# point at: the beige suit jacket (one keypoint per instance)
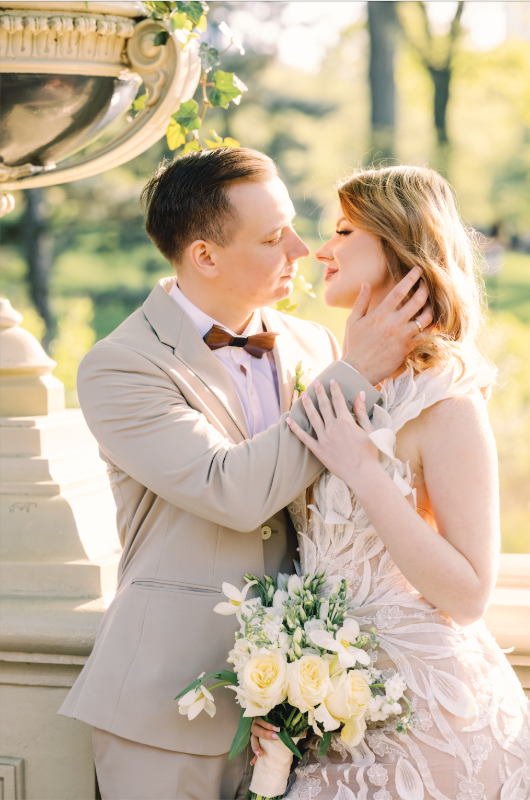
(192, 493)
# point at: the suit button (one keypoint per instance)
(265, 532)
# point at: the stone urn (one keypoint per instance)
(70, 71)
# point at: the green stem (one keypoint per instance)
(331, 666)
(221, 683)
(291, 715)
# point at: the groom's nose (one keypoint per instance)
(297, 249)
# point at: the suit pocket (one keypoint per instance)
(154, 584)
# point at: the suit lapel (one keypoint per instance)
(175, 329)
(286, 357)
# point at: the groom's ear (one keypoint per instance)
(201, 255)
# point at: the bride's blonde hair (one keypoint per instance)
(413, 213)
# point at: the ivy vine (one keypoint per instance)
(186, 19)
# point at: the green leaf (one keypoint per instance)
(209, 56)
(324, 744)
(193, 145)
(189, 688)
(242, 737)
(161, 38)
(304, 286)
(286, 306)
(175, 135)
(225, 88)
(222, 675)
(193, 8)
(139, 103)
(202, 23)
(187, 116)
(178, 21)
(288, 742)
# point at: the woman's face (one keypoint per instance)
(352, 257)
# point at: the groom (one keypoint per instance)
(188, 400)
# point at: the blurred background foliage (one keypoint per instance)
(392, 81)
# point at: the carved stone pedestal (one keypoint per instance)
(59, 554)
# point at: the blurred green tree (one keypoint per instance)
(383, 29)
(436, 53)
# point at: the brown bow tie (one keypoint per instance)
(255, 345)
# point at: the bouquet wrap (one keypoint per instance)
(272, 769)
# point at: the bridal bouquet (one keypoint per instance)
(299, 663)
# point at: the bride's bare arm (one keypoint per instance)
(455, 570)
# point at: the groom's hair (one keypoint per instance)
(186, 199)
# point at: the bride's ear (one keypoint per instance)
(202, 259)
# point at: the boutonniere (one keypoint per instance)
(300, 377)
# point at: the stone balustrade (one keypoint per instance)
(59, 554)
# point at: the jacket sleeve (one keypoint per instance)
(144, 425)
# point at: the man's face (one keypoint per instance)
(258, 266)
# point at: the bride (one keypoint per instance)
(413, 501)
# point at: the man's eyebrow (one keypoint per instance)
(279, 227)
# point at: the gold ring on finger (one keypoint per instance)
(420, 326)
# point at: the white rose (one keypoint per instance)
(309, 682)
(349, 702)
(350, 695)
(395, 686)
(263, 683)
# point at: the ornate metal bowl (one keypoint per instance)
(70, 70)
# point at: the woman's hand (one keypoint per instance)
(260, 730)
(342, 445)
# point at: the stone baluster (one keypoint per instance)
(59, 554)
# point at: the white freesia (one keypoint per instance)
(313, 625)
(197, 700)
(262, 683)
(340, 643)
(375, 708)
(280, 596)
(294, 585)
(236, 600)
(395, 686)
(240, 654)
(282, 580)
(225, 30)
(324, 610)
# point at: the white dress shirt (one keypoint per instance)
(257, 383)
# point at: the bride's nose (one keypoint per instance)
(324, 253)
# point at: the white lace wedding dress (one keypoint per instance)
(470, 735)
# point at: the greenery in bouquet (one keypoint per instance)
(300, 663)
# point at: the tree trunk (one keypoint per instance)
(441, 79)
(39, 257)
(383, 26)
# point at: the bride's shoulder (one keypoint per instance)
(457, 426)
